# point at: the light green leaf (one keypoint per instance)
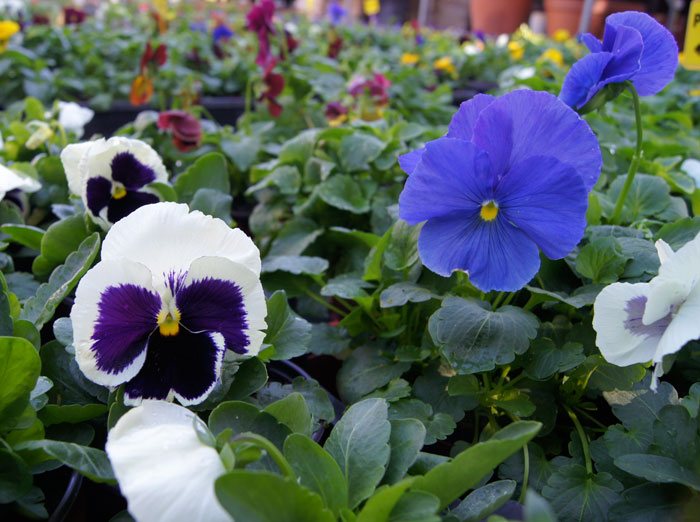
(343, 192)
(19, 370)
(293, 412)
(209, 171)
(286, 331)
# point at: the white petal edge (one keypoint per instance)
(684, 327)
(664, 251)
(617, 344)
(251, 289)
(71, 157)
(84, 315)
(163, 469)
(167, 237)
(11, 180)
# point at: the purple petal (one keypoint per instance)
(130, 172)
(408, 161)
(126, 317)
(452, 175)
(462, 124)
(547, 200)
(98, 193)
(540, 125)
(187, 363)
(627, 52)
(594, 45)
(497, 255)
(659, 58)
(120, 208)
(215, 305)
(583, 80)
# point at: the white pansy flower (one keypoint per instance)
(74, 117)
(691, 167)
(11, 180)
(163, 469)
(642, 322)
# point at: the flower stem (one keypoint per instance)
(634, 165)
(584, 439)
(526, 473)
(325, 303)
(269, 448)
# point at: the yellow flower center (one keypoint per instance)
(118, 191)
(169, 321)
(489, 210)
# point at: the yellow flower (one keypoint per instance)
(552, 55)
(7, 29)
(409, 58)
(694, 92)
(516, 50)
(445, 65)
(338, 120)
(561, 35)
(371, 7)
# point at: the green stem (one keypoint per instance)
(526, 473)
(497, 301)
(269, 448)
(510, 297)
(634, 165)
(325, 303)
(584, 439)
(248, 102)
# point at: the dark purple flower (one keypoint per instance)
(259, 20)
(185, 128)
(635, 48)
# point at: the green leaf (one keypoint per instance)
(537, 509)
(213, 203)
(15, 476)
(24, 235)
(365, 371)
(648, 502)
(343, 192)
(40, 308)
(70, 413)
(480, 503)
(293, 412)
(680, 232)
(242, 417)
(577, 495)
(299, 148)
(450, 480)
(399, 294)
(209, 171)
(260, 496)
(602, 260)
(346, 286)
(328, 340)
(295, 237)
(295, 265)
(402, 250)
(380, 505)
(6, 322)
(544, 358)
(69, 382)
(243, 152)
(19, 370)
(656, 468)
(59, 240)
(358, 150)
(406, 440)
(416, 506)
(286, 331)
(648, 196)
(250, 377)
(285, 177)
(474, 339)
(359, 443)
(317, 471)
(90, 462)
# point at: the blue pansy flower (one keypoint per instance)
(336, 12)
(222, 32)
(510, 178)
(174, 293)
(635, 47)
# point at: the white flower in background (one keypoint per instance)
(173, 292)
(74, 117)
(502, 40)
(112, 176)
(642, 322)
(145, 119)
(163, 469)
(691, 167)
(11, 180)
(41, 133)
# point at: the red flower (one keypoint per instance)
(185, 128)
(335, 45)
(335, 110)
(155, 57)
(377, 87)
(259, 20)
(73, 16)
(275, 84)
(292, 43)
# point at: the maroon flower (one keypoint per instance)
(259, 20)
(185, 128)
(336, 113)
(153, 57)
(73, 16)
(292, 43)
(335, 45)
(275, 84)
(377, 87)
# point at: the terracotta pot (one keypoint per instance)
(566, 14)
(498, 16)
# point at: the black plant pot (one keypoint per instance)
(471, 89)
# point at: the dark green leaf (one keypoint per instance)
(406, 440)
(286, 331)
(365, 371)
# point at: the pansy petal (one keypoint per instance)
(627, 52)
(11, 180)
(583, 80)
(187, 365)
(594, 45)
(118, 209)
(130, 172)
(222, 296)
(682, 266)
(452, 175)
(409, 161)
(462, 124)
(684, 326)
(497, 255)
(665, 295)
(659, 58)
(98, 159)
(71, 157)
(541, 126)
(115, 311)
(664, 251)
(547, 200)
(98, 194)
(163, 469)
(166, 237)
(618, 343)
